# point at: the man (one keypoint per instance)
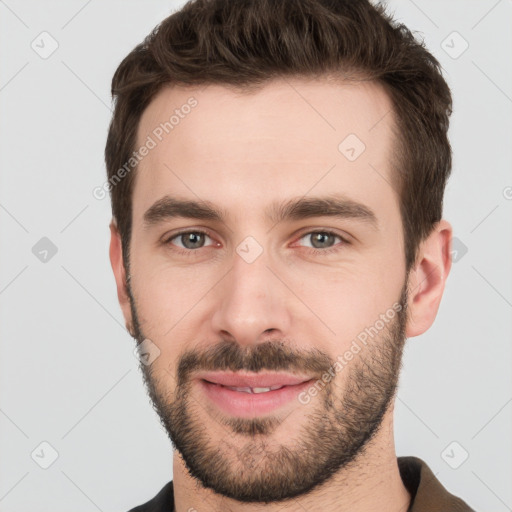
(277, 172)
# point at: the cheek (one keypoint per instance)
(343, 300)
(168, 296)
(350, 298)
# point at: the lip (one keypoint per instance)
(248, 405)
(258, 380)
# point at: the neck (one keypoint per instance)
(371, 482)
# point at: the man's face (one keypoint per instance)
(253, 293)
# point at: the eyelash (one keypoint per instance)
(310, 250)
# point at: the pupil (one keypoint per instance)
(192, 240)
(318, 238)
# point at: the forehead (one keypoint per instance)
(285, 139)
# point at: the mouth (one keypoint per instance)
(255, 390)
(248, 396)
(253, 380)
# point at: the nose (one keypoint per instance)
(251, 302)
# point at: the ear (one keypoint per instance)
(116, 260)
(427, 279)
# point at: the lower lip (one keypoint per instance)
(247, 405)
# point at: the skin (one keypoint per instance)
(242, 152)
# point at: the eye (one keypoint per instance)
(188, 240)
(322, 241)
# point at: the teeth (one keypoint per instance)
(245, 390)
(254, 390)
(260, 390)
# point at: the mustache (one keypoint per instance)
(271, 355)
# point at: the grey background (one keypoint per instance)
(68, 375)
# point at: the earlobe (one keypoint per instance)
(116, 260)
(427, 279)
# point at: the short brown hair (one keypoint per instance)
(246, 43)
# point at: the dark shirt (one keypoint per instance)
(427, 493)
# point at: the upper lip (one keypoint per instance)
(258, 380)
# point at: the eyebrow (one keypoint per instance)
(169, 207)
